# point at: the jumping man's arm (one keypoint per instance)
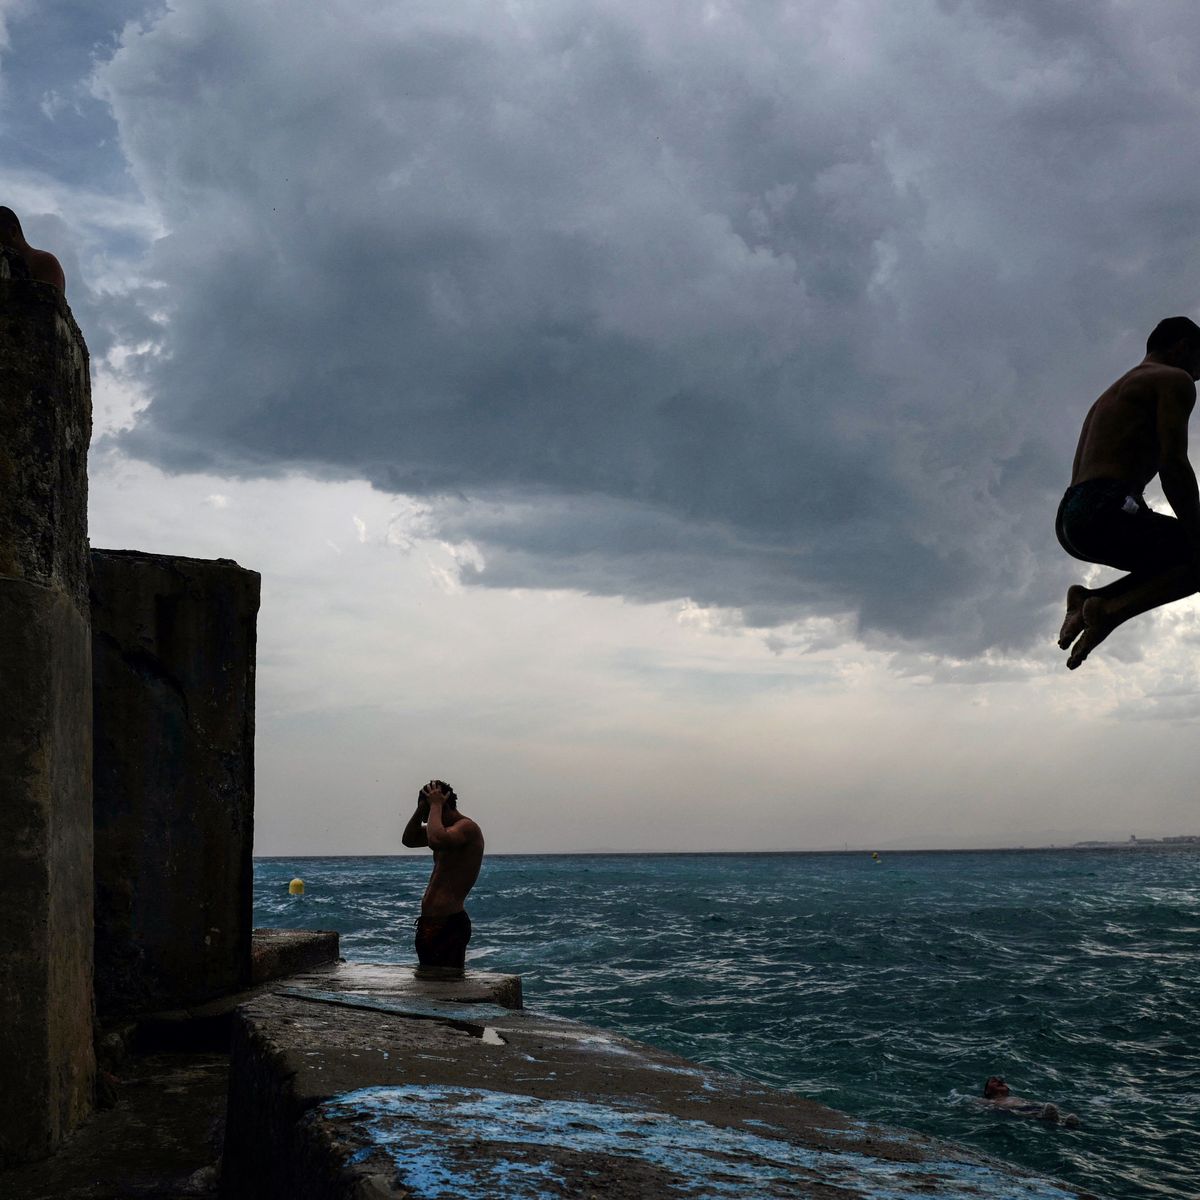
(1175, 404)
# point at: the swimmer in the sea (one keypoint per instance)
(996, 1095)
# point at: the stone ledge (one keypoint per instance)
(275, 953)
(389, 981)
(206, 1027)
(342, 1096)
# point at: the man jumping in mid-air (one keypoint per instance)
(1136, 430)
(443, 928)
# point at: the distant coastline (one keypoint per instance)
(1179, 842)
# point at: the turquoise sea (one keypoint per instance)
(887, 989)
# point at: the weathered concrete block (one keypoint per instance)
(173, 668)
(280, 952)
(46, 1065)
(46, 1059)
(45, 429)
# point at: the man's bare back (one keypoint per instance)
(1120, 439)
(444, 928)
(1135, 430)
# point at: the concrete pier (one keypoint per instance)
(352, 1092)
(173, 671)
(46, 1059)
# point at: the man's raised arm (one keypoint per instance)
(440, 837)
(414, 832)
(1176, 400)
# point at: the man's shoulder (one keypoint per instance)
(469, 827)
(1150, 383)
(1170, 381)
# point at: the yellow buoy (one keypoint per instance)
(296, 887)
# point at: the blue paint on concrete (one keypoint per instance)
(475, 1144)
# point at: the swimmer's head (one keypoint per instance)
(995, 1088)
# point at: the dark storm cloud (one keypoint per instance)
(791, 308)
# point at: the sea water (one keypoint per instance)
(888, 989)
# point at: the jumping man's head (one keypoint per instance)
(1175, 341)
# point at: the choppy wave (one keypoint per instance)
(889, 990)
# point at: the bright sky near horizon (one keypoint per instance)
(648, 417)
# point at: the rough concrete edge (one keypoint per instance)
(271, 1149)
(277, 953)
(267, 1152)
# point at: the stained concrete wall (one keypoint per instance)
(46, 1060)
(173, 666)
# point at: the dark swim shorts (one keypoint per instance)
(1106, 521)
(443, 943)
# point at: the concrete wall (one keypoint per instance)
(46, 1060)
(173, 665)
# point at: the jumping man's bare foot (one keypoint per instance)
(1072, 625)
(1097, 625)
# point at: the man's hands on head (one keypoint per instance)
(436, 791)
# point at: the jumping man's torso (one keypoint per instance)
(1120, 435)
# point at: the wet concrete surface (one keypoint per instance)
(391, 981)
(403, 1095)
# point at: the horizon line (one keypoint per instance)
(1180, 842)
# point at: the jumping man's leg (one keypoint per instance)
(1078, 595)
(1101, 613)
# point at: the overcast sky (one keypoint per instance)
(648, 417)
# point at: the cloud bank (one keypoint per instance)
(790, 308)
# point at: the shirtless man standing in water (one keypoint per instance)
(443, 928)
(1136, 430)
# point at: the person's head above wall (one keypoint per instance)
(10, 228)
